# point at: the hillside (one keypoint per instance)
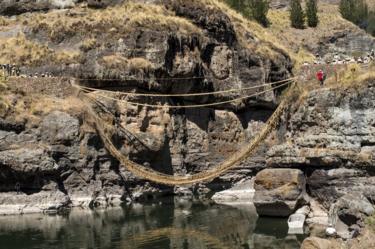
(333, 35)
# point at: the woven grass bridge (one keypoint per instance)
(104, 130)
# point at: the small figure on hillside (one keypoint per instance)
(321, 76)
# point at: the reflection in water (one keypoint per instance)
(166, 225)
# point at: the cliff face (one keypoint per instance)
(331, 137)
(50, 151)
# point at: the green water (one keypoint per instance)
(165, 225)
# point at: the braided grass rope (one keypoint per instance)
(176, 180)
(182, 106)
(189, 94)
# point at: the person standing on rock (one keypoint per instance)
(320, 75)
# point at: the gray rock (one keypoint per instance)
(59, 128)
(240, 192)
(16, 203)
(352, 208)
(279, 192)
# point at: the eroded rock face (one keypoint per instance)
(41, 202)
(331, 136)
(352, 208)
(279, 192)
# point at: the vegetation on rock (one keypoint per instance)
(254, 9)
(312, 13)
(359, 13)
(297, 16)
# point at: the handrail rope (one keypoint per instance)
(189, 94)
(186, 106)
(152, 175)
(171, 78)
(139, 79)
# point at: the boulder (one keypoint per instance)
(59, 128)
(241, 192)
(279, 192)
(352, 208)
(44, 201)
(317, 243)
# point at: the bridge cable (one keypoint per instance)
(189, 94)
(161, 178)
(183, 106)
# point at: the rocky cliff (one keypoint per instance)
(50, 151)
(331, 137)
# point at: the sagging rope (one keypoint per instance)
(173, 180)
(190, 94)
(182, 106)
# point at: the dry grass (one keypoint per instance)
(4, 103)
(34, 107)
(91, 26)
(21, 51)
(352, 76)
(88, 44)
(121, 63)
(267, 43)
(298, 40)
(123, 19)
(3, 21)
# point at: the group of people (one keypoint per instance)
(10, 70)
(342, 59)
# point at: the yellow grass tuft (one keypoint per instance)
(4, 104)
(21, 51)
(88, 44)
(121, 19)
(121, 63)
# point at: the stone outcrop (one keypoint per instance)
(45, 201)
(352, 209)
(331, 137)
(240, 192)
(279, 192)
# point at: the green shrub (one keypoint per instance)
(312, 13)
(297, 16)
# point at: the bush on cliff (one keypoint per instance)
(253, 9)
(312, 13)
(297, 16)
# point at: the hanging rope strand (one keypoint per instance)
(150, 174)
(190, 94)
(184, 106)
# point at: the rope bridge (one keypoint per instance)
(149, 174)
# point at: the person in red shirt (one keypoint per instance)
(320, 76)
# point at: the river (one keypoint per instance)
(170, 223)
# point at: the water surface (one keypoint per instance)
(163, 225)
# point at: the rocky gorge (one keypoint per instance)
(51, 156)
(56, 150)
